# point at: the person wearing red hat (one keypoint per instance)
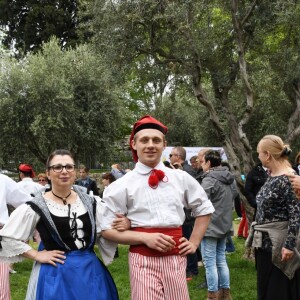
(10, 194)
(152, 197)
(26, 174)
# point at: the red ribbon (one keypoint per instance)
(155, 177)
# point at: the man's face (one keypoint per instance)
(200, 159)
(205, 165)
(149, 144)
(174, 156)
(83, 174)
(194, 163)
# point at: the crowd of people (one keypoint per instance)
(171, 214)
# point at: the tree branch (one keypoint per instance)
(249, 13)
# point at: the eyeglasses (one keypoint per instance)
(42, 180)
(59, 168)
(172, 155)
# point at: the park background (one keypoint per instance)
(77, 74)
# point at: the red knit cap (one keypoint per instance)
(146, 122)
(26, 169)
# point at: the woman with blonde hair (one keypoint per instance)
(277, 226)
(42, 179)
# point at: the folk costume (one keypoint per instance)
(27, 183)
(71, 228)
(153, 199)
(27, 169)
(11, 194)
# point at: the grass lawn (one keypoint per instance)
(242, 272)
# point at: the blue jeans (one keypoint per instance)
(216, 268)
(229, 245)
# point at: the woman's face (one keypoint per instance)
(263, 156)
(42, 180)
(67, 175)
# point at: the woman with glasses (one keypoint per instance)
(67, 219)
(42, 179)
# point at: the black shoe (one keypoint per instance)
(202, 285)
(190, 275)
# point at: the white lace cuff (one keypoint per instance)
(12, 250)
(107, 249)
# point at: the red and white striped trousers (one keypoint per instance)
(158, 278)
(4, 282)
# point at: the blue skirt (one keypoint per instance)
(82, 277)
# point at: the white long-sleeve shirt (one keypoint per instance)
(31, 187)
(10, 193)
(132, 196)
(24, 220)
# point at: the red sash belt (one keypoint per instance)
(142, 249)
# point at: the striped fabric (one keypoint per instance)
(159, 278)
(4, 282)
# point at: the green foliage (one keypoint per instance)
(166, 48)
(59, 99)
(30, 23)
(188, 122)
(148, 57)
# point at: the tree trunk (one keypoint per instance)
(293, 130)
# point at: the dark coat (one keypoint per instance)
(255, 179)
(188, 168)
(90, 184)
(221, 189)
(296, 167)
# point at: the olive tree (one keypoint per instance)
(59, 99)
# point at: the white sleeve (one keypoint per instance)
(17, 196)
(99, 213)
(115, 199)
(18, 229)
(107, 248)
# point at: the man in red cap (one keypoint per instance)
(10, 193)
(26, 174)
(32, 188)
(152, 197)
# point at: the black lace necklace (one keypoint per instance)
(64, 199)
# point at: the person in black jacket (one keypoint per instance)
(86, 181)
(255, 179)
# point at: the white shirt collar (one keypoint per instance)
(27, 179)
(143, 169)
